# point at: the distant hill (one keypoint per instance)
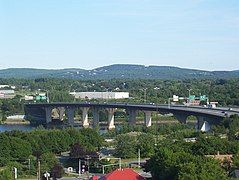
(118, 71)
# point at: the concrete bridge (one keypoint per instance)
(42, 113)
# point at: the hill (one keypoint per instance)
(118, 71)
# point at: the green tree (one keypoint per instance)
(77, 150)
(126, 146)
(6, 173)
(57, 171)
(5, 149)
(19, 148)
(48, 160)
(166, 164)
(146, 144)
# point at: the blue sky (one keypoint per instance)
(201, 34)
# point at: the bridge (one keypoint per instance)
(42, 113)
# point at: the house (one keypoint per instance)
(120, 174)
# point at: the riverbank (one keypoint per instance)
(15, 122)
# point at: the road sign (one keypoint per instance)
(192, 97)
(41, 98)
(175, 98)
(15, 172)
(70, 169)
(203, 98)
(47, 175)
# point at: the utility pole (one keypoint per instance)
(47, 94)
(15, 173)
(139, 158)
(145, 95)
(169, 102)
(157, 116)
(29, 164)
(120, 163)
(39, 170)
(79, 167)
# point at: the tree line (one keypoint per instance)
(18, 147)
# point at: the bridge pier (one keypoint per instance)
(132, 116)
(111, 118)
(85, 120)
(96, 116)
(61, 112)
(147, 118)
(48, 117)
(202, 124)
(70, 115)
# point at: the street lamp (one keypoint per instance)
(189, 90)
(47, 96)
(139, 158)
(169, 102)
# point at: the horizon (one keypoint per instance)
(114, 65)
(193, 34)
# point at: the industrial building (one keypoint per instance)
(100, 95)
(7, 94)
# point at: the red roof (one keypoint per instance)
(121, 174)
(94, 178)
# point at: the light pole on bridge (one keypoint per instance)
(189, 94)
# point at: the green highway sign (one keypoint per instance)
(203, 98)
(41, 98)
(192, 97)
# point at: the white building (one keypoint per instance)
(3, 86)
(6, 94)
(29, 98)
(7, 86)
(100, 95)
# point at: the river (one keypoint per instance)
(11, 127)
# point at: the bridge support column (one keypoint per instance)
(70, 115)
(132, 116)
(85, 120)
(48, 114)
(96, 116)
(111, 118)
(202, 124)
(147, 118)
(61, 112)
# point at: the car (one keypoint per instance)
(225, 113)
